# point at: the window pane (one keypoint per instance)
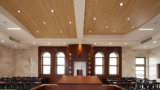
(140, 72)
(46, 61)
(113, 61)
(112, 70)
(113, 55)
(60, 61)
(98, 70)
(61, 54)
(99, 55)
(139, 68)
(60, 69)
(140, 61)
(46, 69)
(98, 61)
(46, 54)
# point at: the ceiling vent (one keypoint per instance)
(13, 39)
(146, 40)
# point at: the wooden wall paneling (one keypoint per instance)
(72, 54)
(53, 77)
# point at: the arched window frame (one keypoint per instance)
(60, 65)
(46, 65)
(114, 65)
(100, 65)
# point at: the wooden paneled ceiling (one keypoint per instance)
(44, 18)
(108, 17)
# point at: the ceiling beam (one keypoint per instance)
(79, 7)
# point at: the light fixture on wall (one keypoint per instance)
(13, 28)
(146, 29)
(2, 41)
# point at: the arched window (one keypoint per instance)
(46, 63)
(113, 63)
(60, 63)
(99, 63)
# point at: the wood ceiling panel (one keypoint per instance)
(34, 12)
(109, 13)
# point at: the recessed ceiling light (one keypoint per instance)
(70, 22)
(154, 42)
(106, 27)
(44, 22)
(15, 45)
(52, 11)
(60, 31)
(33, 43)
(110, 43)
(146, 29)
(19, 11)
(95, 43)
(90, 30)
(125, 43)
(64, 43)
(49, 43)
(37, 31)
(114, 31)
(94, 18)
(132, 27)
(14, 28)
(2, 41)
(121, 4)
(128, 18)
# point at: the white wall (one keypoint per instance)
(128, 61)
(154, 59)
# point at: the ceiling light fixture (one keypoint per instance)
(37, 31)
(52, 11)
(154, 42)
(132, 27)
(114, 31)
(94, 18)
(70, 22)
(13, 28)
(33, 43)
(19, 11)
(15, 45)
(121, 4)
(128, 18)
(90, 31)
(146, 29)
(60, 31)
(2, 41)
(44, 22)
(64, 43)
(106, 27)
(125, 43)
(49, 43)
(110, 43)
(95, 43)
